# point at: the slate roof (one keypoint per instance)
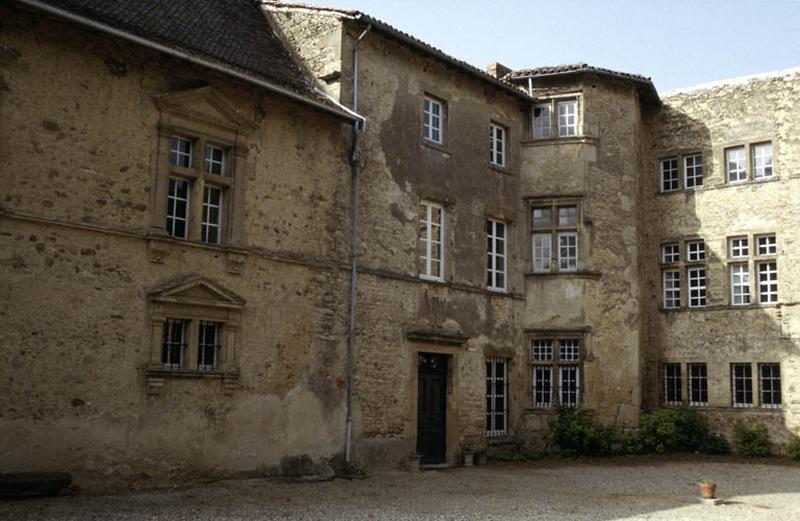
(389, 30)
(646, 88)
(232, 33)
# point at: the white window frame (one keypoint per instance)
(740, 284)
(737, 381)
(493, 380)
(176, 153)
(568, 121)
(767, 281)
(173, 217)
(697, 382)
(669, 166)
(738, 247)
(762, 389)
(563, 392)
(497, 145)
(739, 173)
(766, 245)
(762, 160)
(672, 383)
(670, 253)
(497, 253)
(553, 358)
(543, 124)
(568, 263)
(698, 297)
(207, 225)
(542, 252)
(695, 251)
(671, 288)
(427, 259)
(693, 171)
(433, 123)
(210, 163)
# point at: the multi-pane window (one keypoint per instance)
(214, 160)
(669, 175)
(559, 222)
(698, 384)
(697, 287)
(173, 344)
(208, 346)
(670, 253)
(432, 120)
(180, 152)
(770, 385)
(497, 145)
(496, 254)
(212, 214)
(178, 208)
(695, 251)
(762, 160)
(673, 384)
(542, 121)
(740, 284)
(768, 282)
(767, 245)
(693, 171)
(738, 247)
(735, 165)
(431, 241)
(672, 289)
(556, 372)
(742, 385)
(496, 397)
(567, 118)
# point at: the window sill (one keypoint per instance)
(157, 377)
(501, 169)
(692, 191)
(723, 307)
(439, 147)
(499, 439)
(572, 140)
(592, 275)
(728, 408)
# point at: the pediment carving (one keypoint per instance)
(205, 105)
(196, 290)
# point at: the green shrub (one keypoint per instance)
(675, 430)
(577, 434)
(792, 447)
(715, 444)
(751, 441)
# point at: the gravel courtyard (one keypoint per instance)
(618, 489)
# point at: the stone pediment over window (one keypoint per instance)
(196, 291)
(207, 106)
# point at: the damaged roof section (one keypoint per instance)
(647, 91)
(233, 34)
(404, 38)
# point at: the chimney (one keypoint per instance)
(498, 70)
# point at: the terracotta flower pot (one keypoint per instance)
(708, 490)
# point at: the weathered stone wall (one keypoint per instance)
(708, 120)
(78, 145)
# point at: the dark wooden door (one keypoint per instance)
(432, 407)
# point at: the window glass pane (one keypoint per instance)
(693, 168)
(541, 121)
(567, 118)
(669, 175)
(735, 165)
(762, 160)
(542, 251)
(543, 217)
(567, 216)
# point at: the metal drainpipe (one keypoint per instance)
(351, 326)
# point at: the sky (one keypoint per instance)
(677, 43)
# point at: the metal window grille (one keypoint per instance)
(767, 245)
(496, 255)
(697, 287)
(542, 385)
(173, 345)
(768, 282)
(736, 165)
(569, 350)
(212, 215)
(567, 118)
(214, 160)
(742, 385)
(669, 175)
(551, 358)
(178, 208)
(673, 385)
(698, 385)
(670, 253)
(739, 247)
(543, 350)
(431, 241)
(762, 160)
(569, 385)
(672, 289)
(693, 167)
(770, 385)
(180, 152)
(696, 251)
(542, 121)
(496, 397)
(208, 346)
(740, 284)
(432, 120)
(497, 145)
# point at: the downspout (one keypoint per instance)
(351, 326)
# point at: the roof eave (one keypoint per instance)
(645, 85)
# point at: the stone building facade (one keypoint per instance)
(176, 235)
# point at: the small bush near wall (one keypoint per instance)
(792, 447)
(751, 441)
(577, 434)
(673, 430)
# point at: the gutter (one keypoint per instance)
(351, 323)
(345, 114)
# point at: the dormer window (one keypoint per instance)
(566, 122)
